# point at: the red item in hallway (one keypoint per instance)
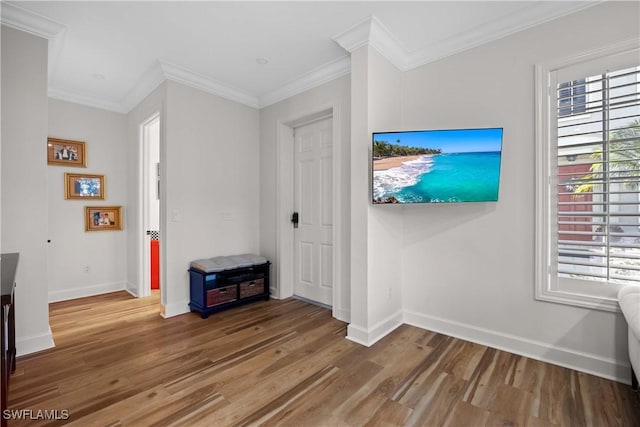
(155, 264)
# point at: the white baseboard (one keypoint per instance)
(175, 309)
(34, 343)
(370, 336)
(583, 362)
(342, 315)
(357, 334)
(87, 291)
(132, 289)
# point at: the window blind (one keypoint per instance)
(598, 177)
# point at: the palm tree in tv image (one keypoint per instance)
(383, 149)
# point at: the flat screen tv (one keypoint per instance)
(436, 166)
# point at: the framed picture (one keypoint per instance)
(64, 152)
(102, 218)
(83, 186)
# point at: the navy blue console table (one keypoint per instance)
(226, 282)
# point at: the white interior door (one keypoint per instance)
(313, 200)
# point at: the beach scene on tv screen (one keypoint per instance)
(437, 166)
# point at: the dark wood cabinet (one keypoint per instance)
(8, 334)
(211, 292)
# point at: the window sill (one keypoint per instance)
(604, 303)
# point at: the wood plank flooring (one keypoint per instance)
(287, 363)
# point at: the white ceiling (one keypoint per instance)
(112, 54)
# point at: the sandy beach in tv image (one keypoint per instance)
(436, 166)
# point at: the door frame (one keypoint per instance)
(283, 272)
(144, 273)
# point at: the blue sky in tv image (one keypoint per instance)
(449, 140)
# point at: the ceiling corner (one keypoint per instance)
(146, 84)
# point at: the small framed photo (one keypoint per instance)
(83, 186)
(102, 218)
(64, 152)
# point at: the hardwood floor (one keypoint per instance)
(117, 362)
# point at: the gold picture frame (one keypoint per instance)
(84, 186)
(102, 218)
(65, 152)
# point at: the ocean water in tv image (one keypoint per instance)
(446, 176)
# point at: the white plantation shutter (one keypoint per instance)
(597, 178)
(587, 188)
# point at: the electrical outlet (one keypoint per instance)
(86, 268)
(389, 289)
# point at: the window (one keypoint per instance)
(588, 178)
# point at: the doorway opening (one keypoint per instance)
(150, 134)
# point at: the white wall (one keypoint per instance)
(376, 255)
(359, 202)
(385, 232)
(469, 268)
(72, 249)
(211, 163)
(333, 95)
(24, 181)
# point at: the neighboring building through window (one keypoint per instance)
(588, 230)
(572, 98)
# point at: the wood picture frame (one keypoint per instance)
(102, 218)
(65, 152)
(84, 186)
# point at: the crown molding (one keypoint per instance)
(76, 98)
(190, 78)
(24, 20)
(356, 36)
(371, 32)
(368, 32)
(16, 17)
(323, 74)
(525, 18)
(162, 71)
(383, 40)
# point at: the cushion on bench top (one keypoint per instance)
(222, 263)
(249, 259)
(213, 265)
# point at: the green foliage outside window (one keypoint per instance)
(624, 160)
